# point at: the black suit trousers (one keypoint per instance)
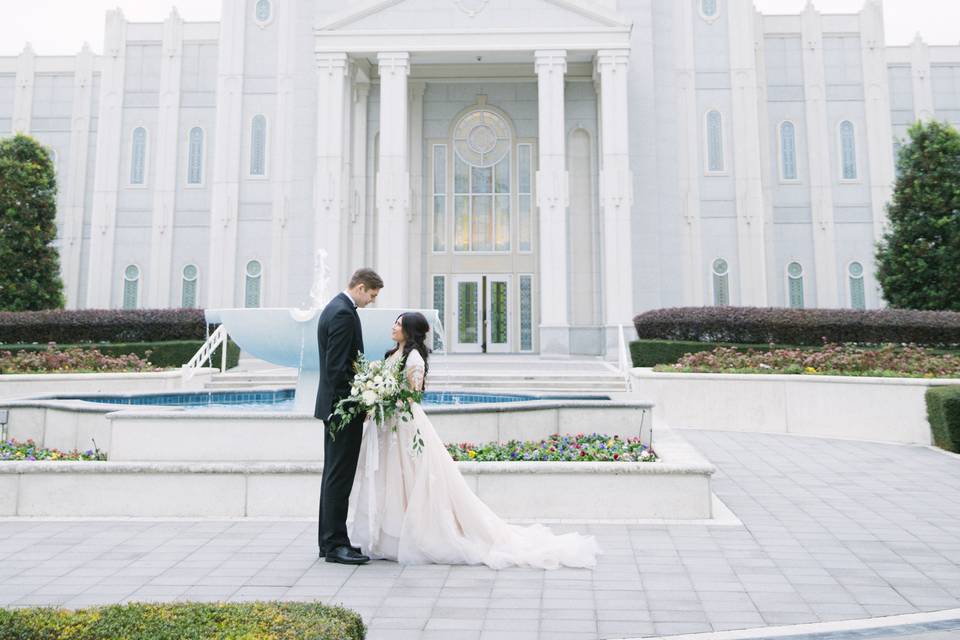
(340, 458)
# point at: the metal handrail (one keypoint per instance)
(205, 353)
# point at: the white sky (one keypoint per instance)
(61, 26)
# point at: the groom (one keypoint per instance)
(341, 341)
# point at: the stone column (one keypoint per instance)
(821, 148)
(393, 180)
(329, 194)
(616, 192)
(23, 98)
(745, 141)
(100, 276)
(358, 192)
(160, 272)
(418, 226)
(75, 181)
(922, 86)
(879, 126)
(552, 199)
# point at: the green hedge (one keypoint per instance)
(650, 353)
(170, 354)
(943, 413)
(210, 621)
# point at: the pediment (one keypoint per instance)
(482, 16)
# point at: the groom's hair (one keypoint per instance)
(366, 277)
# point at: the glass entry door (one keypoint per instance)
(481, 314)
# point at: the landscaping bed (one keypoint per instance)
(220, 621)
(157, 355)
(29, 451)
(556, 448)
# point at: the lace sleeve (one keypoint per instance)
(414, 370)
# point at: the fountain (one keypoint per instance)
(288, 336)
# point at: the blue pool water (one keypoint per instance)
(282, 400)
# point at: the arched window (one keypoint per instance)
(709, 8)
(795, 285)
(848, 150)
(715, 163)
(138, 156)
(195, 156)
(258, 146)
(482, 183)
(131, 286)
(858, 298)
(262, 11)
(788, 151)
(190, 280)
(254, 275)
(721, 282)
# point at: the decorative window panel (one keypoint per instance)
(858, 298)
(439, 303)
(498, 312)
(195, 156)
(262, 10)
(254, 276)
(468, 297)
(439, 198)
(482, 183)
(709, 8)
(715, 141)
(525, 196)
(788, 151)
(190, 277)
(131, 286)
(138, 156)
(258, 146)
(721, 283)
(795, 285)
(526, 313)
(848, 150)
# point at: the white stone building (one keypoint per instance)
(538, 170)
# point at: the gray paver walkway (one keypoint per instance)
(832, 530)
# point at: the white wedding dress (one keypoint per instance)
(416, 508)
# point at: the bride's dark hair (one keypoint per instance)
(415, 328)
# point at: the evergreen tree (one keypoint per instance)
(29, 263)
(918, 260)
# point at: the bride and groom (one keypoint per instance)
(380, 497)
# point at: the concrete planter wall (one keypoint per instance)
(21, 385)
(149, 434)
(883, 409)
(676, 487)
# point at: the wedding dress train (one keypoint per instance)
(416, 508)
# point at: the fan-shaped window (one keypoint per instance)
(195, 156)
(258, 146)
(254, 276)
(191, 277)
(715, 163)
(795, 285)
(858, 298)
(482, 182)
(721, 282)
(709, 8)
(263, 10)
(848, 150)
(131, 286)
(138, 156)
(788, 151)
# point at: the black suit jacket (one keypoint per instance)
(340, 339)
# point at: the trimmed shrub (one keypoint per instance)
(113, 325)
(943, 413)
(211, 621)
(164, 355)
(799, 327)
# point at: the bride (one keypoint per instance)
(415, 507)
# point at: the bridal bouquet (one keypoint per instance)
(379, 390)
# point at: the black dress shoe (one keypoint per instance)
(323, 552)
(346, 555)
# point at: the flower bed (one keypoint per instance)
(836, 360)
(29, 451)
(136, 621)
(579, 448)
(72, 360)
